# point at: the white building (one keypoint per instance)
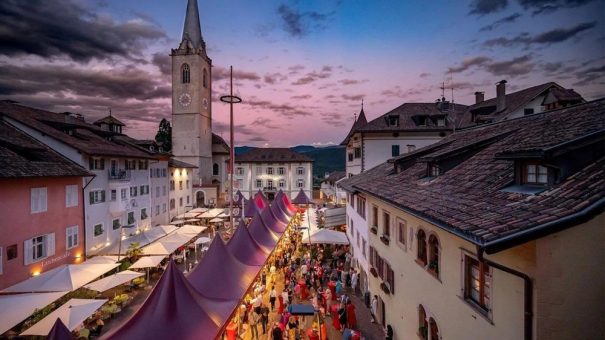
(158, 171)
(273, 169)
(180, 187)
(330, 191)
(117, 198)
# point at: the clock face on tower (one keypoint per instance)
(205, 103)
(185, 99)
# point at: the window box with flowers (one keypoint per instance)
(385, 287)
(373, 272)
(385, 239)
(374, 229)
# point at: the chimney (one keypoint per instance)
(501, 96)
(479, 97)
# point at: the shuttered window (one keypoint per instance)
(38, 200)
(71, 234)
(71, 196)
(39, 248)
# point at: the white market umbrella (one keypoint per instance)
(18, 307)
(64, 278)
(191, 220)
(147, 262)
(216, 220)
(203, 240)
(167, 245)
(192, 230)
(166, 229)
(72, 314)
(177, 222)
(198, 210)
(114, 280)
(102, 259)
(326, 236)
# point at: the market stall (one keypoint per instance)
(72, 314)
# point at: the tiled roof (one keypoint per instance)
(359, 122)
(272, 155)
(335, 176)
(407, 113)
(173, 163)
(87, 138)
(23, 156)
(109, 120)
(216, 139)
(468, 199)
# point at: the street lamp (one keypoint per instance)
(231, 99)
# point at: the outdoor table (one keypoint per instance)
(332, 286)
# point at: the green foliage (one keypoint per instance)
(125, 265)
(164, 135)
(134, 251)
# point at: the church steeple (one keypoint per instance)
(192, 31)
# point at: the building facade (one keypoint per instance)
(42, 208)
(491, 232)
(180, 199)
(273, 169)
(330, 191)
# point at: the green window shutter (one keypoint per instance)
(103, 196)
(91, 197)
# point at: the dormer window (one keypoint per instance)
(422, 121)
(434, 170)
(535, 173)
(440, 121)
(393, 120)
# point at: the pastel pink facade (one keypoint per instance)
(18, 226)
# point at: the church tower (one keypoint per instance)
(191, 98)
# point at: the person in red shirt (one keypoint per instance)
(351, 318)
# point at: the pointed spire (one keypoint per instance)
(192, 31)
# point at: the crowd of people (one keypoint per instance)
(302, 274)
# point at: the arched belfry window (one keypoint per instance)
(215, 169)
(205, 78)
(185, 74)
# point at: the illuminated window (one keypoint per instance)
(477, 282)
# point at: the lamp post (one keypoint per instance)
(231, 99)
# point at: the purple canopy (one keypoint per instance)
(281, 203)
(301, 198)
(289, 206)
(240, 198)
(259, 195)
(176, 310)
(250, 208)
(245, 249)
(220, 274)
(60, 332)
(261, 233)
(275, 219)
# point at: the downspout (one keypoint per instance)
(528, 292)
(363, 154)
(84, 211)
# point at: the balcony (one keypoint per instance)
(385, 239)
(118, 175)
(270, 189)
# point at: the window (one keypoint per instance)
(71, 196)
(239, 171)
(300, 170)
(535, 174)
(164, 207)
(72, 237)
(390, 277)
(143, 164)
(434, 170)
(393, 121)
(215, 169)
(187, 184)
(361, 206)
(131, 164)
(281, 170)
(205, 78)
(180, 201)
(259, 170)
(172, 204)
(259, 183)
(180, 185)
(300, 183)
(113, 195)
(351, 197)
(130, 219)
(386, 224)
(477, 282)
(133, 191)
(394, 150)
(171, 185)
(163, 190)
(39, 248)
(352, 228)
(440, 121)
(96, 163)
(423, 329)
(98, 229)
(96, 196)
(157, 210)
(144, 189)
(401, 232)
(11, 252)
(357, 152)
(188, 195)
(38, 200)
(143, 213)
(164, 172)
(269, 171)
(421, 254)
(270, 183)
(411, 148)
(350, 155)
(433, 329)
(115, 224)
(123, 194)
(434, 254)
(374, 216)
(282, 183)
(185, 74)
(528, 111)
(157, 191)
(363, 247)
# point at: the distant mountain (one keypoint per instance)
(326, 159)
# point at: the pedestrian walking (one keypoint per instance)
(354, 278)
(351, 317)
(264, 313)
(276, 332)
(272, 297)
(253, 319)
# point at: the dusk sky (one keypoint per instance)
(301, 67)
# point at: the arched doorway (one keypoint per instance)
(200, 199)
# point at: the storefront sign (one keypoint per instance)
(56, 259)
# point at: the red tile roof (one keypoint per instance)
(469, 199)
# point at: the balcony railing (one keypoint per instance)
(119, 175)
(270, 189)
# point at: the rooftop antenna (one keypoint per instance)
(361, 104)
(109, 111)
(354, 117)
(442, 90)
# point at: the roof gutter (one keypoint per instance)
(544, 229)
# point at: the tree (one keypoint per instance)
(134, 251)
(164, 135)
